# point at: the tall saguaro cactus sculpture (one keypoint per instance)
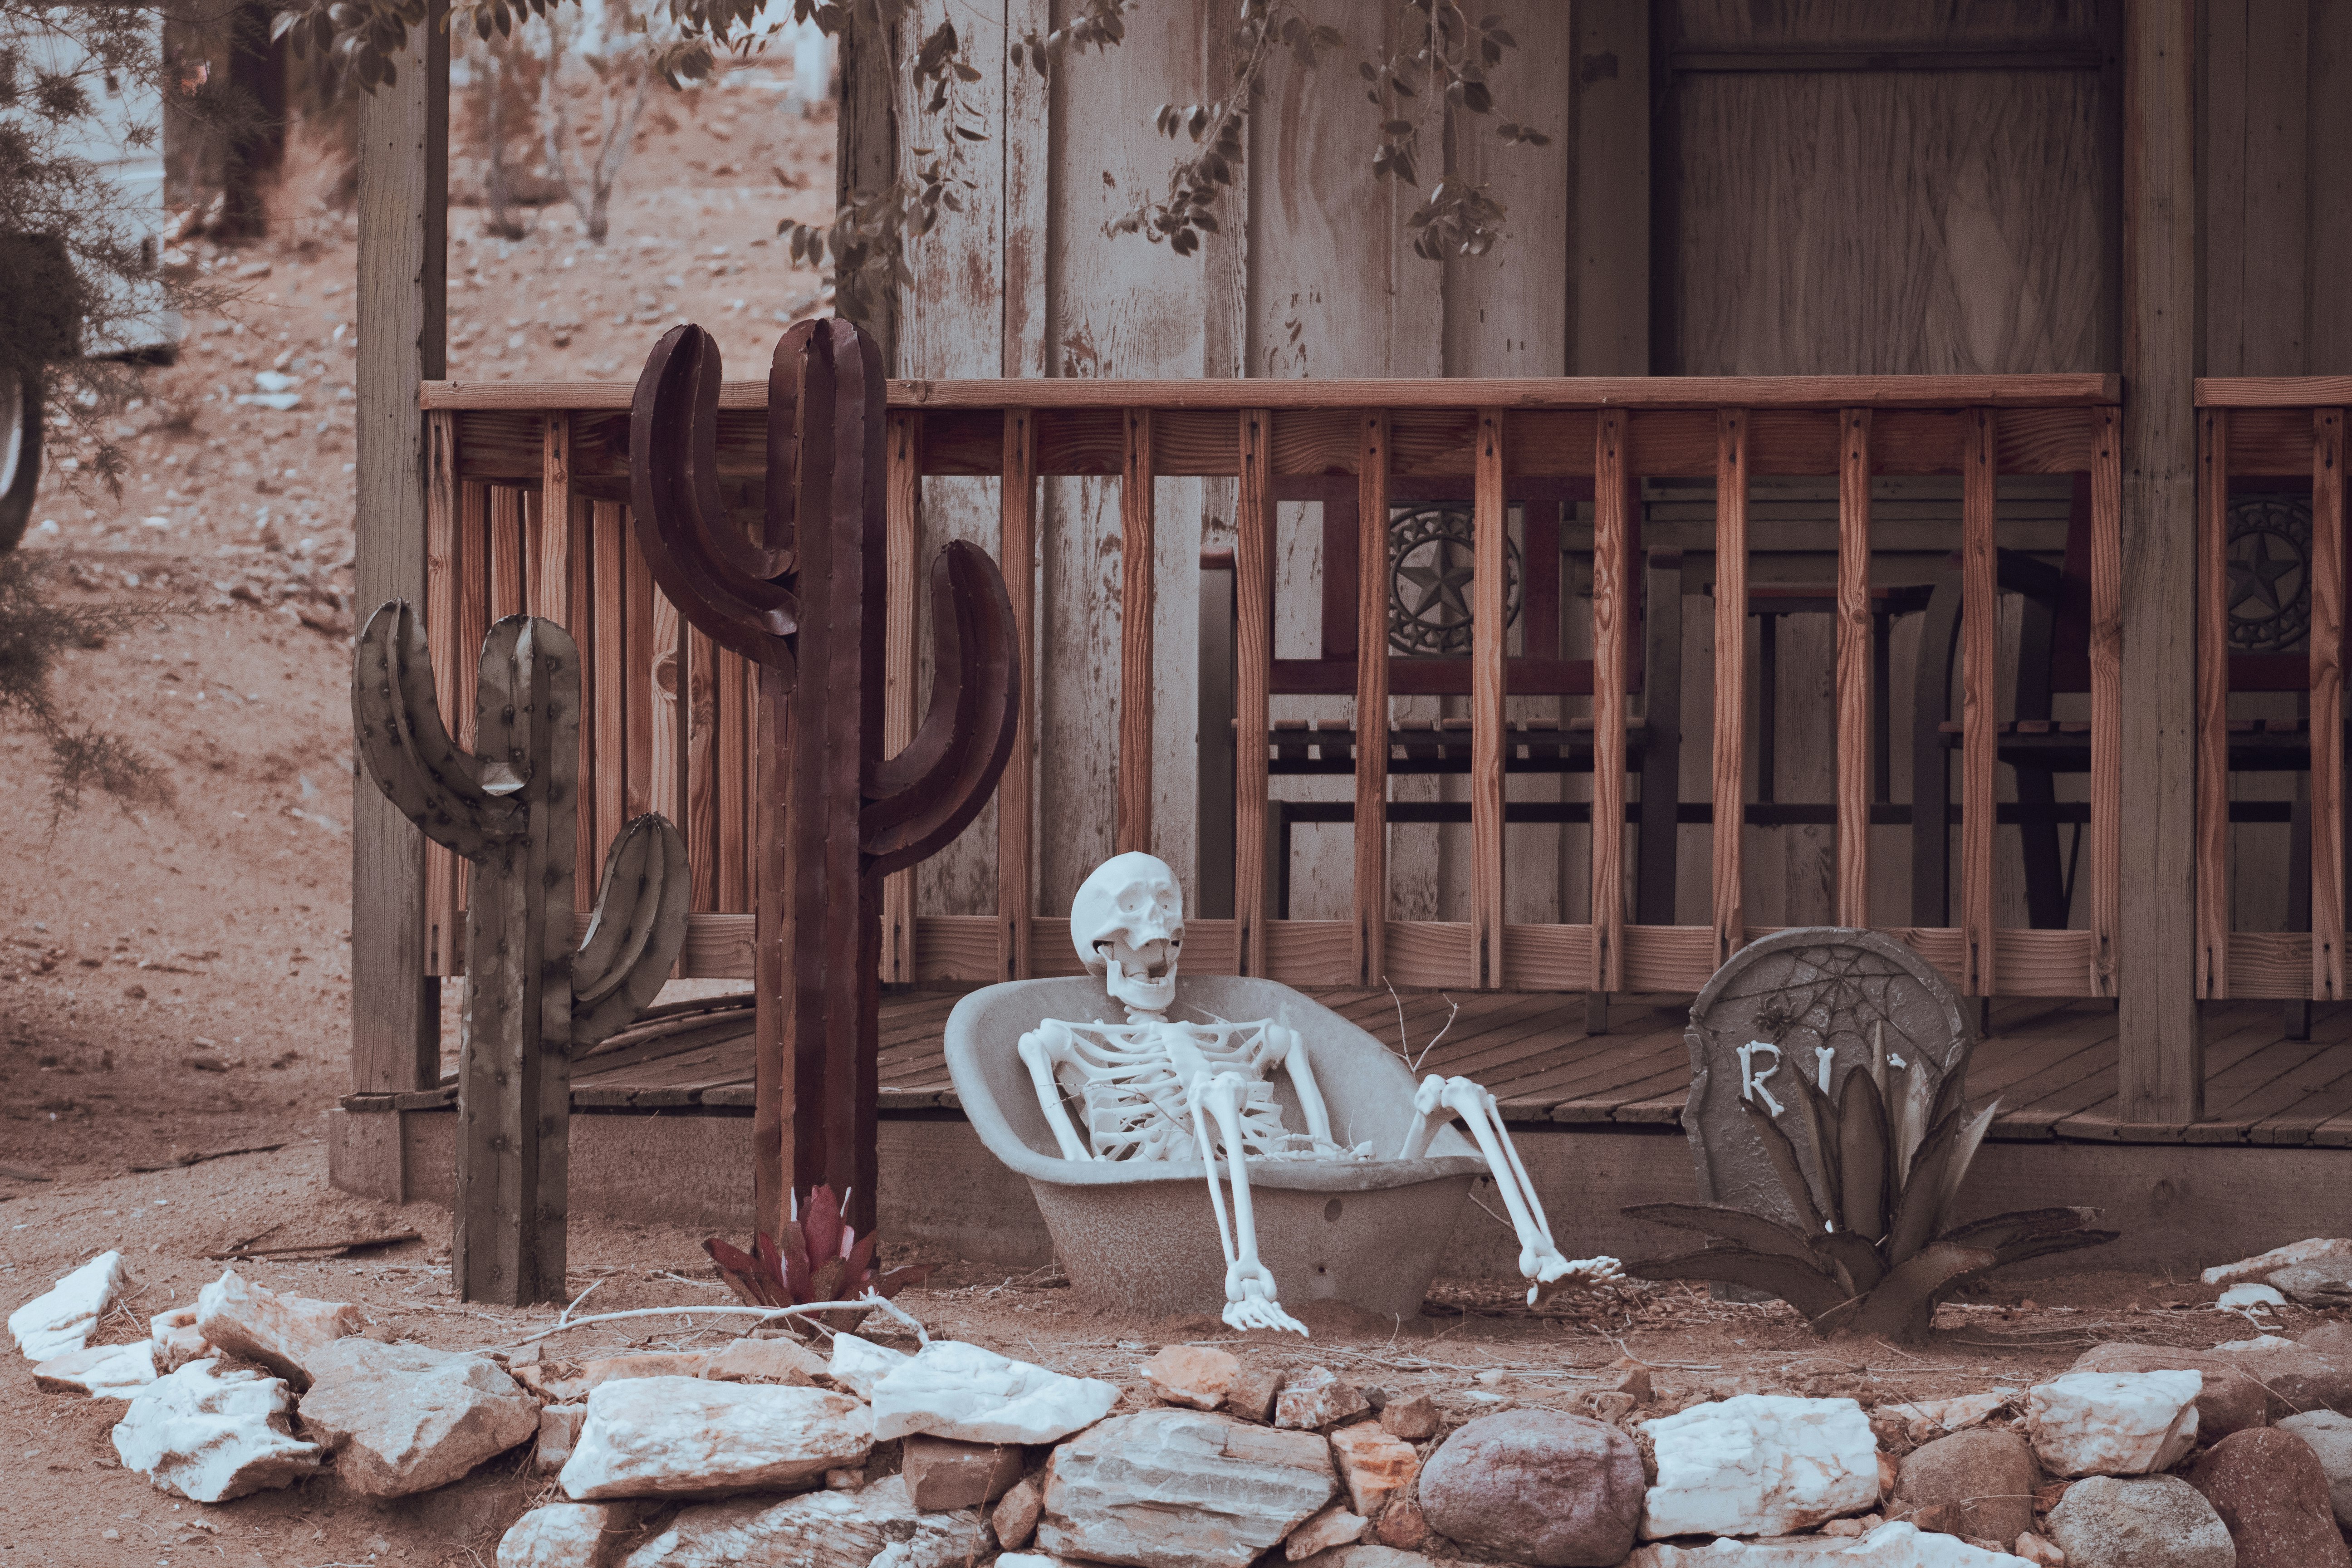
(532, 998)
(804, 603)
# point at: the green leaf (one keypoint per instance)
(1904, 1302)
(1863, 1165)
(1804, 1286)
(1782, 1155)
(1757, 1232)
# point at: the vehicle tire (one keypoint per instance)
(20, 453)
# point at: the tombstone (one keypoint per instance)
(1817, 1000)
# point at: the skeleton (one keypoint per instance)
(1152, 1088)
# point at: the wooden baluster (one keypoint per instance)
(473, 624)
(1252, 676)
(2327, 705)
(1612, 614)
(608, 527)
(554, 582)
(1015, 808)
(904, 530)
(1854, 649)
(1137, 527)
(637, 676)
(2212, 703)
(1730, 680)
(507, 571)
(1371, 698)
(700, 824)
(1980, 670)
(733, 845)
(2106, 694)
(1490, 531)
(444, 927)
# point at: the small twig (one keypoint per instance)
(19, 1173)
(333, 1248)
(869, 1302)
(565, 1316)
(180, 1162)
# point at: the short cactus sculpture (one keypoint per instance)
(531, 996)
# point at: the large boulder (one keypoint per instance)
(211, 1436)
(1758, 1464)
(1539, 1486)
(2139, 1522)
(239, 1318)
(879, 1525)
(62, 1318)
(1170, 1488)
(2242, 1388)
(2113, 1424)
(2269, 1488)
(400, 1418)
(2329, 1437)
(653, 1437)
(2326, 1284)
(2263, 1265)
(1986, 1474)
(955, 1390)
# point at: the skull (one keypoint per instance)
(1128, 924)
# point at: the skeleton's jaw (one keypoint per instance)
(1145, 979)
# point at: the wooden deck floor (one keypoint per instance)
(2053, 1063)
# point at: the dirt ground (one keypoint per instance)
(174, 980)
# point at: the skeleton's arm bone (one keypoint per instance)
(1250, 1289)
(1291, 1052)
(1039, 1058)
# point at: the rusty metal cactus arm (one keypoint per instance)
(636, 934)
(921, 799)
(451, 797)
(721, 582)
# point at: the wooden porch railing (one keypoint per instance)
(2276, 428)
(527, 510)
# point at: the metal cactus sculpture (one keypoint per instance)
(532, 996)
(803, 601)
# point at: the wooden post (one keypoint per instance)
(1854, 650)
(2213, 704)
(1490, 527)
(2107, 687)
(699, 697)
(1979, 674)
(403, 230)
(1015, 804)
(1253, 672)
(444, 921)
(2161, 1055)
(1136, 674)
(1612, 227)
(608, 541)
(905, 500)
(1612, 498)
(2327, 705)
(1730, 680)
(1371, 696)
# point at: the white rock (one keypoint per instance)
(242, 1319)
(2317, 1248)
(649, 1436)
(879, 1525)
(2259, 1343)
(2250, 1298)
(1759, 1464)
(955, 1390)
(1170, 1488)
(109, 1371)
(401, 1418)
(2113, 1424)
(858, 1364)
(211, 1436)
(1031, 1560)
(568, 1535)
(177, 1338)
(62, 1320)
(1896, 1545)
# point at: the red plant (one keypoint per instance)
(815, 1257)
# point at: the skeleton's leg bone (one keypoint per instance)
(1540, 1257)
(1302, 1077)
(1428, 1113)
(1250, 1291)
(1039, 1058)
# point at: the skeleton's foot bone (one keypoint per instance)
(1250, 1303)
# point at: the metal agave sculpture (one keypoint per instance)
(532, 996)
(1873, 1249)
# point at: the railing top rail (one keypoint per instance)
(1795, 392)
(2274, 391)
